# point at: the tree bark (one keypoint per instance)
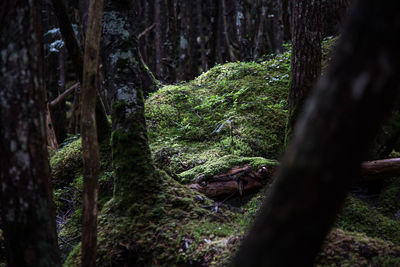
(90, 147)
(306, 56)
(333, 135)
(27, 216)
(75, 53)
(131, 154)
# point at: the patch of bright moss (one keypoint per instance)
(236, 108)
(222, 165)
(357, 216)
(66, 164)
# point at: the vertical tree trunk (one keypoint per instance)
(332, 137)
(225, 32)
(172, 41)
(90, 148)
(75, 53)
(277, 26)
(306, 56)
(286, 19)
(131, 155)
(240, 28)
(27, 216)
(259, 40)
(200, 25)
(158, 39)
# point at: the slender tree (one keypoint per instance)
(90, 148)
(27, 216)
(331, 139)
(306, 56)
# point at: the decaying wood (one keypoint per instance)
(244, 179)
(237, 180)
(377, 169)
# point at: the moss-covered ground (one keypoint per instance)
(232, 115)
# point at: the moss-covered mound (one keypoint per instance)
(173, 226)
(236, 108)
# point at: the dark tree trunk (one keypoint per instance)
(90, 147)
(171, 42)
(200, 26)
(286, 19)
(306, 56)
(277, 26)
(240, 28)
(158, 38)
(332, 137)
(27, 216)
(259, 39)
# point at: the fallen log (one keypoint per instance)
(378, 169)
(243, 179)
(238, 180)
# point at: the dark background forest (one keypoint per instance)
(199, 133)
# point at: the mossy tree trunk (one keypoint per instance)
(27, 214)
(131, 154)
(332, 138)
(306, 56)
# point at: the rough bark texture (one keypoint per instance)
(332, 138)
(306, 56)
(90, 147)
(28, 220)
(130, 151)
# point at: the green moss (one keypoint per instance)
(343, 248)
(66, 164)
(236, 108)
(359, 217)
(388, 202)
(166, 228)
(222, 165)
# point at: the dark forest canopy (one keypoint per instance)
(199, 133)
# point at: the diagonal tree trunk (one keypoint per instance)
(332, 137)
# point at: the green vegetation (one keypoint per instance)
(230, 116)
(236, 108)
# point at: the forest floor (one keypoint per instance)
(228, 118)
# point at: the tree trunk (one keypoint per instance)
(306, 56)
(332, 137)
(200, 26)
(27, 216)
(90, 147)
(277, 26)
(75, 53)
(131, 154)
